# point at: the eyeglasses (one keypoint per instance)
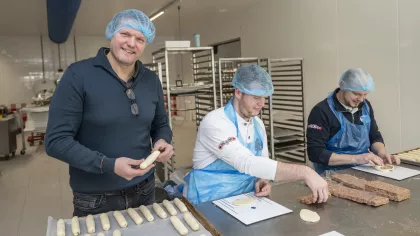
(132, 97)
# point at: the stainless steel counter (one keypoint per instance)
(343, 216)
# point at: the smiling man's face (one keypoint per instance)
(127, 45)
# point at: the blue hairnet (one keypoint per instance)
(254, 80)
(131, 19)
(356, 79)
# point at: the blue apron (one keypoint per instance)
(350, 139)
(219, 179)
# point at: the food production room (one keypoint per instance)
(194, 117)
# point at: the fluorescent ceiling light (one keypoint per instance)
(157, 15)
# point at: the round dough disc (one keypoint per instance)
(243, 201)
(309, 216)
(385, 168)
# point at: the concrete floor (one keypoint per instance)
(34, 186)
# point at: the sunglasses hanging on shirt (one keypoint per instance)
(132, 97)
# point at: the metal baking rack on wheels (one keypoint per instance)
(203, 87)
(284, 113)
(226, 69)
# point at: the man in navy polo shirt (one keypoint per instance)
(104, 117)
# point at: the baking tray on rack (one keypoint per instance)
(282, 132)
(405, 161)
(157, 227)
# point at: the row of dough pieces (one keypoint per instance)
(176, 222)
(410, 155)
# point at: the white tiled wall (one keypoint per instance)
(382, 36)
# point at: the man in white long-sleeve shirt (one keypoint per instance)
(231, 151)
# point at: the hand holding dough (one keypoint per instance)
(61, 228)
(181, 206)
(116, 233)
(191, 221)
(135, 216)
(385, 168)
(179, 226)
(309, 216)
(90, 224)
(105, 221)
(149, 160)
(169, 207)
(159, 211)
(75, 226)
(120, 219)
(147, 213)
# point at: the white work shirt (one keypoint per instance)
(214, 140)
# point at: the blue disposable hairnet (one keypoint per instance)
(131, 19)
(254, 80)
(356, 79)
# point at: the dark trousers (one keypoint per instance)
(140, 194)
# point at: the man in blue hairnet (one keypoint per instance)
(342, 131)
(231, 151)
(104, 115)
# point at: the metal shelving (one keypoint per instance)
(284, 113)
(203, 88)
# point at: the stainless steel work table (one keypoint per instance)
(343, 216)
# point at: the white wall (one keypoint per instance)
(381, 36)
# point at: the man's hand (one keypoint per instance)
(262, 188)
(368, 157)
(318, 186)
(124, 168)
(166, 150)
(390, 158)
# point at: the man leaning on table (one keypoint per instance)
(342, 131)
(231, 151)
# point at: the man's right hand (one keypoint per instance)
(369, 157)
(318, 186)
(124, 168)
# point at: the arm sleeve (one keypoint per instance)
(160, 126)
(374, 134)
(64, 118)
(317, 135)
(216, 140)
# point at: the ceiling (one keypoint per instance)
(94, 15)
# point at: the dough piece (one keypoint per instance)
(390, 191)
(116, 233)
(75, 226)
(191, 221)
(147, 213)
(181, 206)
(100, 234)
(243, 201)
(105, 221)
(179, 226)
(90, 224)
(134, 216)
(169, 207)
(149, 160)
(309, 216)
(120, 219)
(61, 228)
(385, 168)
(159, 211)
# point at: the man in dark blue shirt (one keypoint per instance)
(342, 130)
(106, 114)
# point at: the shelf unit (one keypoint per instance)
(203, 87)
(283, 114)
(155, 67)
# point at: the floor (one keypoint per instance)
(34, 186)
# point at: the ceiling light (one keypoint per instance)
(157, 15)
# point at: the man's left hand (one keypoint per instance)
(262, 188)
(390, 158)
(166, 150)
